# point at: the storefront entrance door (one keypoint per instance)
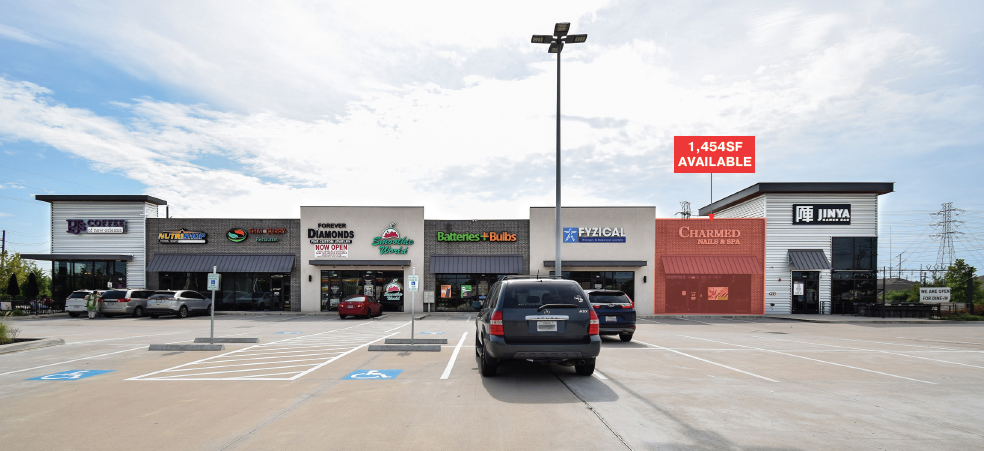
(806, 292)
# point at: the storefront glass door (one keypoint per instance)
(806, 291)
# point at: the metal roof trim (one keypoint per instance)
(759, 189)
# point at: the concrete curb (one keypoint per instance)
(421, 341)
(186, 348)
(33, 344)
(46, 315)
(227, 340)
(406, 348)
(873, 321)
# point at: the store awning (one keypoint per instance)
(808, 259)
(78, 257)
(359, 262)
(271, 263)
(598, 263)
(711, 264)
(476, 264)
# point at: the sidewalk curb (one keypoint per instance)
(186, 348)
(33, 344)
(875, 321)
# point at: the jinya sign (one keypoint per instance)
(822, 214)
(594, 234)
(78, 226)
(389, 238)
(711, 236)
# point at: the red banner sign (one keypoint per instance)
(710, 154)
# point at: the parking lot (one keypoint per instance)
(696, 383)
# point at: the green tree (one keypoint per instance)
(11, 264)
(956, 278)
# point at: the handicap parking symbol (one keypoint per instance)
(431, 333)
(71, 375)
(365, 375)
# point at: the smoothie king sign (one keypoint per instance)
(390, 238)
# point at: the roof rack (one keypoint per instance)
(532, 276)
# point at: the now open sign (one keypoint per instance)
(713, 154)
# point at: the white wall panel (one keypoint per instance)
(130, 243)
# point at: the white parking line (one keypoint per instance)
(872, 350)
(454, 355)
(702, 322)
(708, 361)
(73, 360)
(815, 360)
(598, 375)
(944, 341)
(124, 338)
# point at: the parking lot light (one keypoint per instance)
(561, 29)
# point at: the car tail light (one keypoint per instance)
(631, 303)
(593, 325)
(100, 300)
(495, 324)
(125, 300)
(597, 306)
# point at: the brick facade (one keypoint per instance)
(217, 243)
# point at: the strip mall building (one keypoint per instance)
(667, 266)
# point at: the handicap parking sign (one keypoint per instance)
(71, 375)
(378, 375)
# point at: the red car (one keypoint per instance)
(359, 305)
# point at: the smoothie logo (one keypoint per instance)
(237, 235)
(389, 238)
(393, 291)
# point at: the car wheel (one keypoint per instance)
(341, 316)
(625, 337)
(73, 314)
(488, 365)
(154, 315)
(138, 312)
(183, 312)
(368, 313)
(477, 344)
(585, 370)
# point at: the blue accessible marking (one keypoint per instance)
(288, 332)
(431, 333)
(71, 375)
(364, 375)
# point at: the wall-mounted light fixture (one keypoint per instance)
(310, 278)
(643, 279)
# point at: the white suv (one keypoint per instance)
(75, 303)
(180, 303)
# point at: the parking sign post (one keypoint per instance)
(213, 286)
(413, 301)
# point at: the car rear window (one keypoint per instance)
(114, 295)
(162, 296)
(609, 298)
(77, 295)
(534, 294)
(354, 299)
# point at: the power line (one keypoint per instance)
(684, 210)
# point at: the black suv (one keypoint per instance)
(537, 318)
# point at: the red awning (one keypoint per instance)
(711, 264)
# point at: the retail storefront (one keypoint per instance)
(97, 242)
(360, 250)
(259, 260)
(705, 267)
(822, 249)
(606, 248)
(465, 257)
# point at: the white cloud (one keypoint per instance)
(19, 35)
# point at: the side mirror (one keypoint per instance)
(476, 305)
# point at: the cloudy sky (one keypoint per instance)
(251, 109)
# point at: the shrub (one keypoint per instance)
(18, 312)
(7, 331)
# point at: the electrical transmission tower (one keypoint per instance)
(684, 210)
(947, 226)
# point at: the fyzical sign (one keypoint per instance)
(934, 294)
(182, 237)
(77, 226)
(389, 238)
(594, 235)
(822, 214)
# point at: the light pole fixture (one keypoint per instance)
(556, 42)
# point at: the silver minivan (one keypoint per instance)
(124, 302)
(180, 303)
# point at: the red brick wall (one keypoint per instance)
(669, 242)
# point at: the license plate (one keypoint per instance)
(611, 319)
(546, 326)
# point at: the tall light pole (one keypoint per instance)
(556, 42)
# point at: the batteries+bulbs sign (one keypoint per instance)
(389, 238)
(594, 234)
(77, 226)
(478, 236)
